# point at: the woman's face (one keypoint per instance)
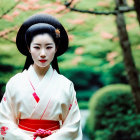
(42, 50)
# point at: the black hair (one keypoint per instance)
(36, 29)
(41, 28)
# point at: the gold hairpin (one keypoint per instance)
(57, 31)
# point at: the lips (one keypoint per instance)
(42, 61)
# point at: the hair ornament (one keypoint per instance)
(57, 31)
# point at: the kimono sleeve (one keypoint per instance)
(71, 129)
(8, 127)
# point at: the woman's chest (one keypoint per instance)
(52, 100)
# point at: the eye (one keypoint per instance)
(36, 47)
(49, 47)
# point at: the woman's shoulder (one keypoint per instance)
(64, 80)
(16, 78)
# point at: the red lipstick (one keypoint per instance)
(42, 61)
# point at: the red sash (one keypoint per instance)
(33, 125)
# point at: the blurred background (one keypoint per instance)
(102, 59)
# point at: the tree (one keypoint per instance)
(127, 54)
(124, 42)
(137, 7)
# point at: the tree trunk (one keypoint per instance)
(127, 55)
(137, 7)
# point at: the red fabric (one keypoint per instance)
(3, 130)
(33, 125)
(36, 97)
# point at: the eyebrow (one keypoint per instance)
(40, 44)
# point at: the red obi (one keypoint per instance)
(34, 125)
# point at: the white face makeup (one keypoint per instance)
(42, 50)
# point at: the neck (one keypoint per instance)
(41, 71)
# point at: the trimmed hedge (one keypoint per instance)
(113, 114)
(80, 75)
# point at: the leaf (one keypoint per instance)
(138, 47)
(132, 15)
(111, 56)
(131, 26)
(79, 51)
(8, 17)
(15, 13)
(76, 60)
(34, 7)
(76, 21)
(106, 35)
(60, 8)
(48, 11)
(22, 7)
(30, 1)
(71, 37)
(103, 4)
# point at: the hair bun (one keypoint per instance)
(42, 18)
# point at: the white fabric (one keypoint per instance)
(57, 102)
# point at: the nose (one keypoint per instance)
(42, 53)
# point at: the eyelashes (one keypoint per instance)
(49, 47)
(36, 47)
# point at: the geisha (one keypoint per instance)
(40, 103)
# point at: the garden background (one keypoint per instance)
(94, 60)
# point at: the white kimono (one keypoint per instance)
(57, 101)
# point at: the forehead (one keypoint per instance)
(42, 38)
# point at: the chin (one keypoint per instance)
(43, 66)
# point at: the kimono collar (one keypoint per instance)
(34, 77)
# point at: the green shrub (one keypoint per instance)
(113, 74)
(83, 104)
(84, 95)
(113, 114)
(80, 75)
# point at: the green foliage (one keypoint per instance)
(83, 104)
(4, 6)
(9, 64)
(113, 114)
(97, 50)
(87, 31)
(80, 75)
(84, 95)
(95, 4)
(113, 74)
